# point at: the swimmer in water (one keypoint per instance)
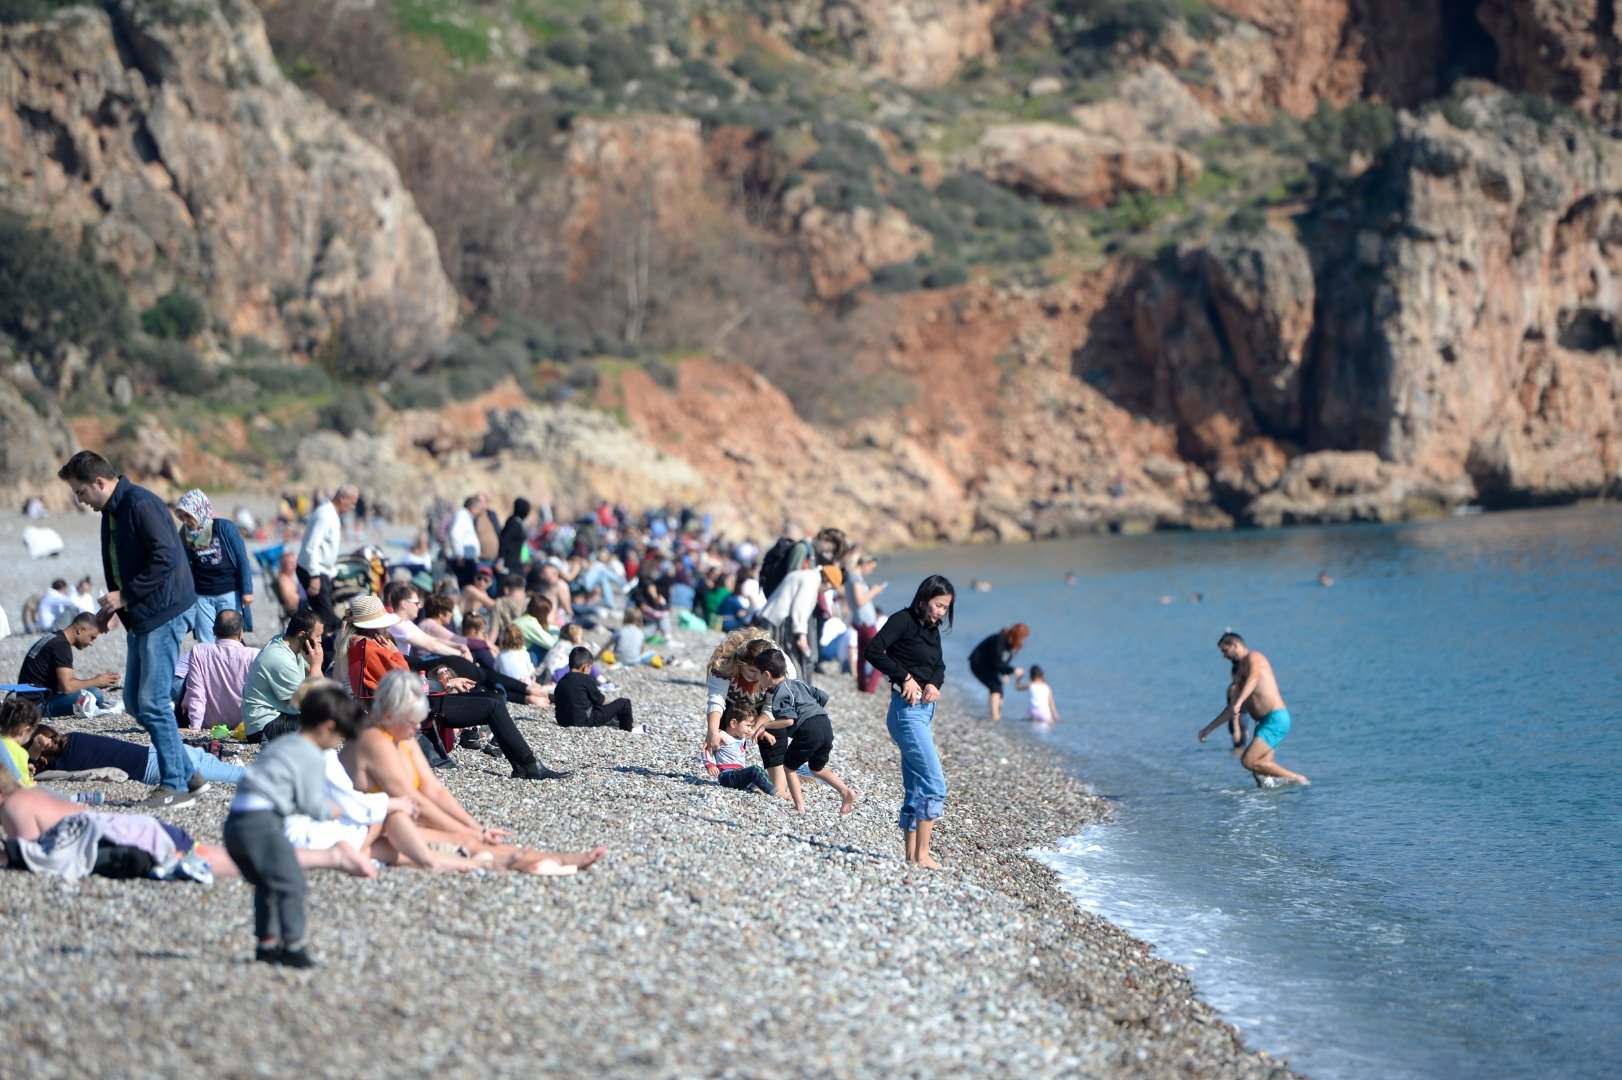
(1254, 689)
(1070, 578)
(1324, 579)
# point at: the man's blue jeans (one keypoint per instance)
(202, 762)
(148, 674)
(62, 704)
(923, 784)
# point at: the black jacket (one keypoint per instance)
(992, 658)
(154, 576)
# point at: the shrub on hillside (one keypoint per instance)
(755, 71)
(946, 276)
(50, 294)
(18, 11)
(178, 315)
(172, 365)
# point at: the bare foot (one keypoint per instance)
(847, 804)
(581, 859)
(351, 862)
(928, 862)
(550, 868)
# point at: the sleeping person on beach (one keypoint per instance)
(51, 750)
(47, 834)
(728, 764)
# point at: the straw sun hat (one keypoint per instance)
(367, 613)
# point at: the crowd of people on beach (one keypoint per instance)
(388, 662)
(379, 675)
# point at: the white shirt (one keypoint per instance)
(318, 554)
(749, 593)
(464, 535)
(1041, 702)
(51, 607)
(516, 664)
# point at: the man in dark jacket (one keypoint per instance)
(149, 588)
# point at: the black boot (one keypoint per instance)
(536, 771)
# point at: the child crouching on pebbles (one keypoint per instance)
(288, 777)
(798, 712)
(728, 763)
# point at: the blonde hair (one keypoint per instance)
(724, 660)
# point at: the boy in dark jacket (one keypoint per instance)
(798, 711)
(580, 704)
(149, 588)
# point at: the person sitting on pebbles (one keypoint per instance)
(798, 712)
(728, 764)
(385, 757)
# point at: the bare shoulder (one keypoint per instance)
(1259, 661)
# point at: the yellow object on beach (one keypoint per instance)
(607, 656)
(240, 732)
(657, 661)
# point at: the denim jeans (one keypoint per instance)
(148, 675)
(750, 776)
(923, 784)
(598, 577)
(62, 704)
(207, 610)
(210, 767)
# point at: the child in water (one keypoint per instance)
(1044, 710)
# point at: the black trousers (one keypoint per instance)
(614, 712)
(463, 668)
(485, 707)
(261, 851)
(320, 602)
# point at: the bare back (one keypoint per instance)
(1265, 698)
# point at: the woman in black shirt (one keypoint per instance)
(908, 651)
(992, 661)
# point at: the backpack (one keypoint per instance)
(776, 565)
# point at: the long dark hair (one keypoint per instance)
(932, 586)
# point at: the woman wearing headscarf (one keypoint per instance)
(220, 567)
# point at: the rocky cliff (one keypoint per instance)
(935, 270)
(167, 136)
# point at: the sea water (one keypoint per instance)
(1447, 895)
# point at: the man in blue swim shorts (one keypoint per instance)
(1254, 689)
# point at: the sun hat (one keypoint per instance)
(367, 613)
(833, 575)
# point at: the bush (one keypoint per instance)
(16, 11)
(568, 50)
(755, 71)
(349, 415)
(307, 381)
(615, 60)
(1248, 221)
(846, 150)
(898, 278)
(846, 193)
(172, 365)
(944, 277)
(702, 78)
(660, 371)
(50, 295)
(1358, 129)
(177, 316)
(994, 207)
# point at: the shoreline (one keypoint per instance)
(723, 935)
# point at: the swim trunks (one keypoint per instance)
(1274, 726)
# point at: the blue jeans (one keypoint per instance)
(207, 610)
(923, 784)
(599, 577)
(62, 704)
(204, 763)
(148, 674)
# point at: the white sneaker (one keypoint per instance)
(642, 729)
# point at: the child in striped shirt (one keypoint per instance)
(727, 764)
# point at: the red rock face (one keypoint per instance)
(1570, 50)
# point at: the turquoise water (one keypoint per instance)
(1447, 896)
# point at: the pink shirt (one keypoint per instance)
(214, 680)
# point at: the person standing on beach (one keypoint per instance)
(318, 554)
(1254, 689)
(150, 589)
(907, 649)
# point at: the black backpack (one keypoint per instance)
(776, 565)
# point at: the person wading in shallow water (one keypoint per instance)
(1254, 689)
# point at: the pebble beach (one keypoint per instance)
(723, 935)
